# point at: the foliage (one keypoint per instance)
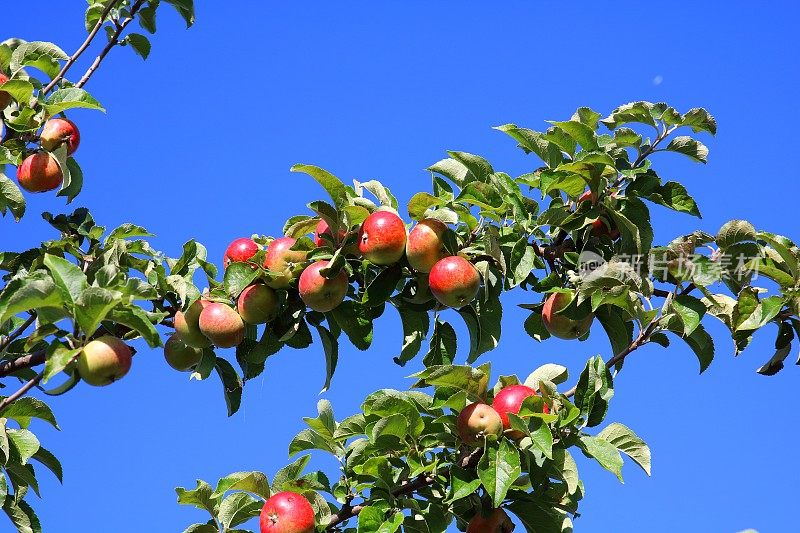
(578, 223)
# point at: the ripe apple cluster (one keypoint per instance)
(39, 171)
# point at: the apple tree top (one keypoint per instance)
(574, 233)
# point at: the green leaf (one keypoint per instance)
(463, 483)
(415, 329)
(382, 287)
(483, 319)
(147, 17)
(535, 142)
(443, 344)
(137, 319)
(58, 357)
(498, 469)
(371, 520)
(702, 345)
(548, 372)
(200, 497)
(36, 291)
(73, 180)
(231, 384)
(566, 468)
(185, 9)
(355, 321)
(474, 381)
(674, 196)
(308, 439)
(594, 390)
(11, 198)
(689, 147)
(237, 508)
(690, 310)
(22, 516)
(479, 167)
(331, 346)
(580, 132)
(68, 277)
(26, 408)
(139, 43)
(71, 98)
(24, 443)
(734, 232)
(628, 443)
(699, 120)
(92, 307)
(38, 54)
(336, 189)
(604, 452)
(481, 194)
(254, 482)
(20, 90)
(631, 112)
(613, 322)
(237, 277)
(49, 460)
(420, 203)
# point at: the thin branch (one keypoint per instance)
(82, 48)
(112, 42)
(17, 332)
(26, 361)
(25, 388)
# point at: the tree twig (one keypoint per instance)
(17, 332)
(112, 42)
(26, 361)
(25, 388)
(71, 61)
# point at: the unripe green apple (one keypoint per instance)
(287, 512)
(180, 355)
(454, 281)
(187, 325)
(382, 238)
(283, 262)
(425, 246)
(478, 421)
(104, 361)
(559, 325)
(497, 522)
(320, 293)
(39, 172)
(222, 325)
(58, 131)
(258, 304)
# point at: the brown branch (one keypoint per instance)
(81, 49)
(17, 332)
(349, 511)
(112, 42)
(26, 361)
(25, 388)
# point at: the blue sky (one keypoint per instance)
(197, 143)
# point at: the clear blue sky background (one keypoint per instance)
(197, 143)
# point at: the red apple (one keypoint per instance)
(287, 512)
(5, 98)
(382, 238)
(588, 196)
(104, 361)
(58, 131)
(509, 400)
(39, 172)
(559, 325)
(240, 251)
(477, 421)
(324, 229)
(222, 325)
(258, 304)
(187, 325)
(282, 261)
(320, 293)
(425, 246)
(180, 355)
(604, 228)
(454, 281)
(497, 522)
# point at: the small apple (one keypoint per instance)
(180, 355)
(320, 293)
(222, 325)
(477, 421)
(588, 196)
(324, 229)
(5, 98)
(509, 400)
(287, 512)
(559, 325)
(240, 251)
(604, 228)
(454, 281)
(425, 246)
(258, 304)
(281, 260)
(39, 172)
(187, 325)
(58, 131)
(382, 238)
(497, 522)
(104, 361)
